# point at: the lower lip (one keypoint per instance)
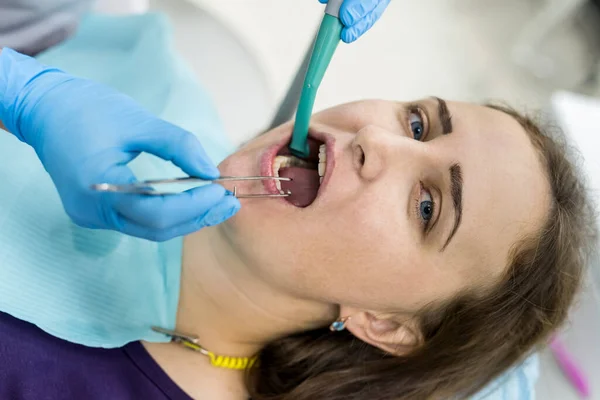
(268, 158)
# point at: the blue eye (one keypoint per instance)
(426, 208)
(417, 126)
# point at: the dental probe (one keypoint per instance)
(327, 41)
(146, 188)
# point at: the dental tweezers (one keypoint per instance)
(145, 187)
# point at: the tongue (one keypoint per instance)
(304, 185)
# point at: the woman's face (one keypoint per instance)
(419, 201)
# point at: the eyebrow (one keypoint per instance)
(456, 191)
(444, 116)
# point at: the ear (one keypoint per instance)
(392, 333)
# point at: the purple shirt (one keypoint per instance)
(37, 366)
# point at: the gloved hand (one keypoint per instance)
(358, 16)
(86, 133)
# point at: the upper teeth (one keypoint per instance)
(322, 161)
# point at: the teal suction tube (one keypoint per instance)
(327, 41)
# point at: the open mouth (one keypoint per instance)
(306, 174)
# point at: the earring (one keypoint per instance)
(339, 324)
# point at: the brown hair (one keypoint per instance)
(468, 340)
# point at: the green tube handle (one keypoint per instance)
(327, 41)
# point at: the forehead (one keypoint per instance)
(505, 193)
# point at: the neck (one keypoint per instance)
(231, 310)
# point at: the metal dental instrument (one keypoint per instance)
(145, 187)
(328, 38)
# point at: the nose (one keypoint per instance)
(376, 150)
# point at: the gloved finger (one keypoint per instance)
(168, 211)
(352, 33)
(216, 215)
(323, 1)
(353, 11)
(177, 145)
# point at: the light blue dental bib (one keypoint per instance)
(92, 287)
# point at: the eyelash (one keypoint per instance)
(425, 223)
(417, 109)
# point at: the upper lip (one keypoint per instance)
(271, 153)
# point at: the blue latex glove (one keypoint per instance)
(86, 133)
(358, 16)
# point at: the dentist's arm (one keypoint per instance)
(358, 16)
(86, 133)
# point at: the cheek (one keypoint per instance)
(360, 255)
(234, 165)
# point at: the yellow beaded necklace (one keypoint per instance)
(191, 342)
